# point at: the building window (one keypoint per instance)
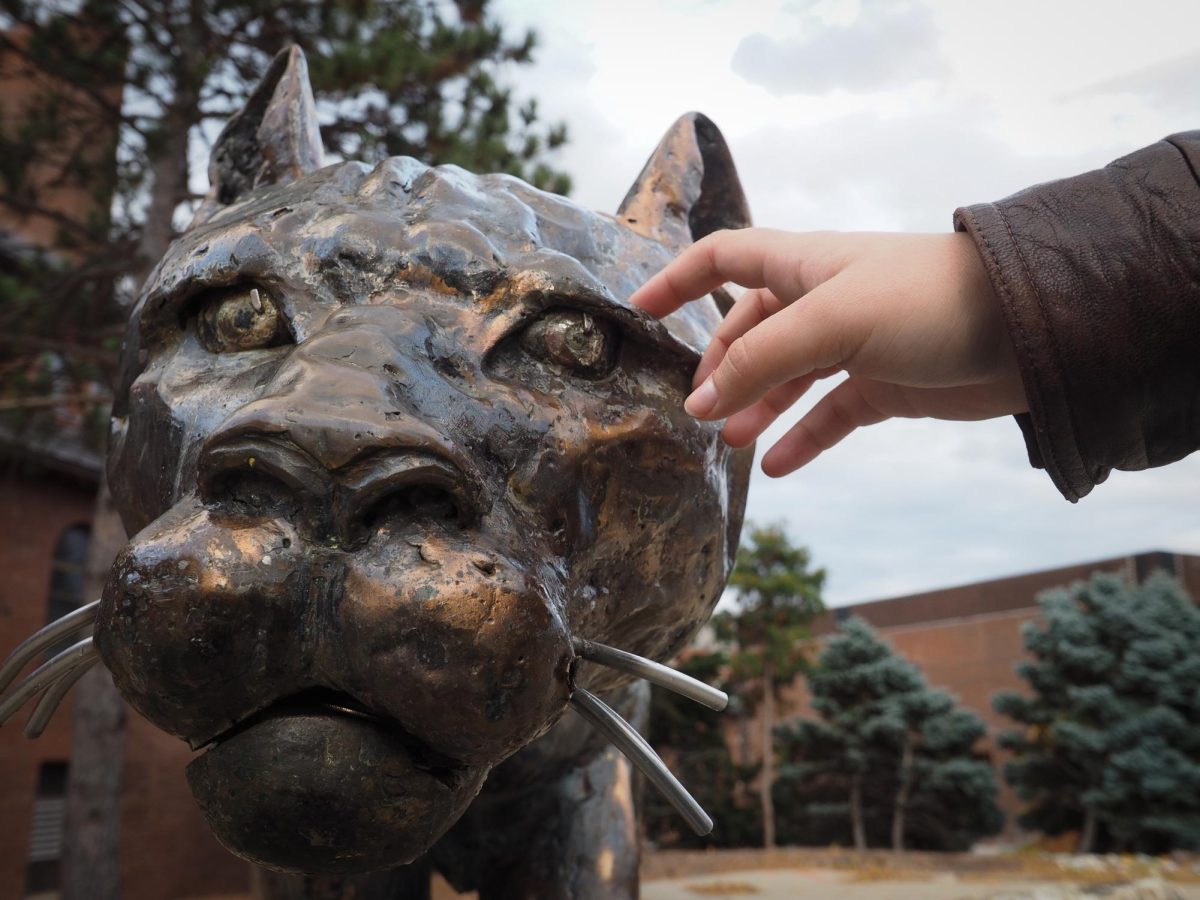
(46, 836)
(66, 577)
(1146, 564)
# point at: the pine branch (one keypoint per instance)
(8, 45)
(70, 348)
(29, 208)
(7, 405)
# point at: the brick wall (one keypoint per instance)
(167, 849)
(33, 514)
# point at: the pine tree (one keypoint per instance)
(901, 754)
(778, 597)
(123, 91)
(1111, 738)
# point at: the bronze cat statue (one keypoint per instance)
(399, 462)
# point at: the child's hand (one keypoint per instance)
(911, 317)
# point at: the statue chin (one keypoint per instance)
(313, 791)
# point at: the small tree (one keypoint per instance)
(1111, 738)
(946, 793)
(902, 754)
(778, 597)
(692, 739)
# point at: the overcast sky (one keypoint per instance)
(888, 115)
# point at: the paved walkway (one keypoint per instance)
(824, 884)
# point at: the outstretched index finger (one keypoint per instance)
(751, 257)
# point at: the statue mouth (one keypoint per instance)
(319, 783)
(318, 701)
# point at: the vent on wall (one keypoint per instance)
(1146, 564)
(46, 838)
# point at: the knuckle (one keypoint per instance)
(829, 334)
(711, 241)
(670, 279)
(766, 303)
(803, 435)
(841, 417)
(739, 360)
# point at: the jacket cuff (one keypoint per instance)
(1048, 427)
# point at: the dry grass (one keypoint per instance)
(721, 888)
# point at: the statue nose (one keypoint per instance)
(263, 475)
(338, 443)
(397, 488)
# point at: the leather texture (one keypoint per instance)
(1099, 277)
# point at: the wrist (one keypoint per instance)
(991, 341)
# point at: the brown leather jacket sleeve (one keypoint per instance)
(1099, 276)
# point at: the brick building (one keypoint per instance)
(967, 639)
(167, 849)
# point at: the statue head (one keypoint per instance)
(390, 442)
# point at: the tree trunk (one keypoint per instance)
(1087, 834)
(856, 812)
(902, 794)
(169, 185)
(767, 779)
(91, 833)
(91, 855)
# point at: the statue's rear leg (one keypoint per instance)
(570, 837)
(405, 883)
(573, 839)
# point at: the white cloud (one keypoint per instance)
(1168, 86)
(868, 171)
(1031, 61)
(885, 46)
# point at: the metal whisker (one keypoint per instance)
(626, 739)
(654, 672)
(43, 638)
(65, 664)
(48, 705)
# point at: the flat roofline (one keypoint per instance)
(991, 595)
(1085, 563)
(55, 454)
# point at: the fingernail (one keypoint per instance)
(703, 399)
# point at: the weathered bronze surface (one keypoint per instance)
(389, 440)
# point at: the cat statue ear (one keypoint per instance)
(688, 188)
(273, 139)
